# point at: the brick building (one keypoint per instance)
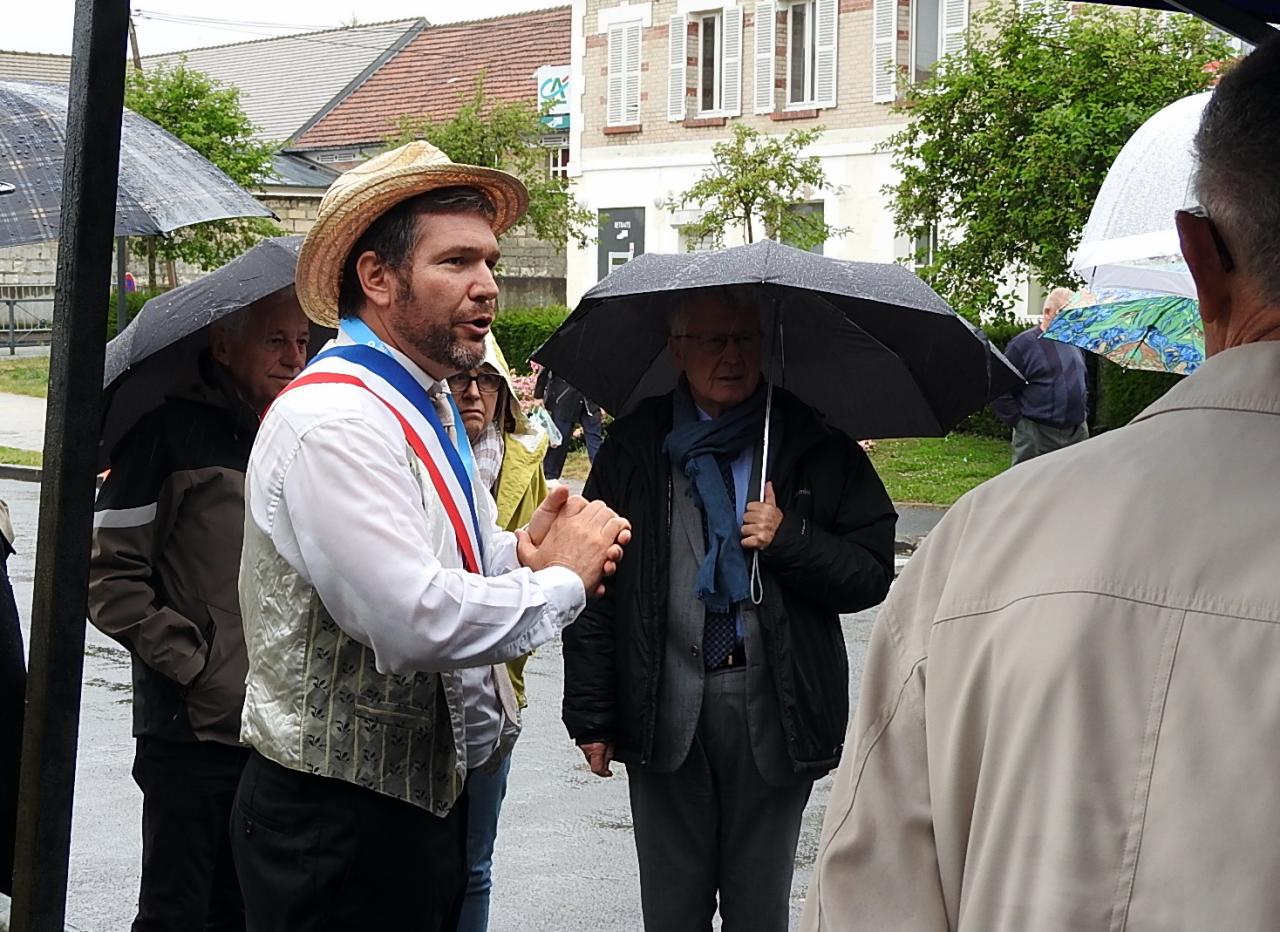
(428, 79)
(657, 83)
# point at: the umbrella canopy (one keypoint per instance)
(1130, 240)
(164, 183)
(1135, 329)
(160, 346)
(870, 346)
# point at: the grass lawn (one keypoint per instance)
(938, 470)
(931, 471)
(15, 457)
(25, 375)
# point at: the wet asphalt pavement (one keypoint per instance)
(565, 857)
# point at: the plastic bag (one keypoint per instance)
(540, 418)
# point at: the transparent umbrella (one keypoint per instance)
(1130, 240)
(164, 183)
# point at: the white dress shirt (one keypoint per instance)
(330, 486)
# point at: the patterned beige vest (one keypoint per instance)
(315, 701)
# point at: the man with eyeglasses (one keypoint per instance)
(1070, 708)
(725, 709)
(167, 531)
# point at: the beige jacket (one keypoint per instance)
(1070, 716)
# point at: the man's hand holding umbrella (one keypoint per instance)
(761, 520)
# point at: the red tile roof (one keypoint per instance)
(436, 71)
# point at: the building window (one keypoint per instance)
(710, 62)
(346, 155)
(811, 213)
(691, 243)
(802, 52)
(924, 248)
(624, 75)
(926, 38)
(558, 162)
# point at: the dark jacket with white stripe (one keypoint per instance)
(168, 528)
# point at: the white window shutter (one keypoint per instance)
(955, 21)
(826, 27)
(677, 68)
(631, 88)
(617, 75)
(766, 56)
(884, 51)
(731, 69)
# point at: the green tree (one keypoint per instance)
(206, 116)
(754, 183)
(506, 135)
(1009, 142)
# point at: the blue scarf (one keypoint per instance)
(693, 446)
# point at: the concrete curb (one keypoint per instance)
(21, 474)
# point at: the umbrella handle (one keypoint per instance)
(757, 581)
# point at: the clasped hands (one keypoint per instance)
(585, 537)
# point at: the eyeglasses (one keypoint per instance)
(1224, 254)
(487, 382)
(713, 344)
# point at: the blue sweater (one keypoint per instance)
(1055, 389)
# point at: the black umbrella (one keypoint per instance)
(164, 183)
(868, 345)
(160, 346)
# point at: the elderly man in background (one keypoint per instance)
(724, 710)
(167, 531)
(508, 451)
(380, 597)
(1049, 411)
(1069, 713)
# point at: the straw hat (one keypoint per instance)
(367, 191)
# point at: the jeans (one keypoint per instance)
(487, 791)
(592, 432)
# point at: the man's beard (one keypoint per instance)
(434, 341)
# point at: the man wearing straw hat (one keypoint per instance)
(379, 597)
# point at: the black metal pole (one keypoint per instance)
(95, 103)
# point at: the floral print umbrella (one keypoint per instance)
(1134, 329)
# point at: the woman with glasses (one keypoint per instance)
(508, 456)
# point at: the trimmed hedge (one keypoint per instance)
(1124, 393)
(520, 331)
(1116, 394)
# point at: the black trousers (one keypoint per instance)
(316, 854)
(13, 688)
(188, 877)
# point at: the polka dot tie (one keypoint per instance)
(720, 636)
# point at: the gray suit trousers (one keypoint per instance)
(714, 826)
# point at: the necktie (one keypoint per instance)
(720, 635)
(444, 411)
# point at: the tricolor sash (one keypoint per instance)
(409, 402)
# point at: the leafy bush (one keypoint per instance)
(520, 331)
(134, 300)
